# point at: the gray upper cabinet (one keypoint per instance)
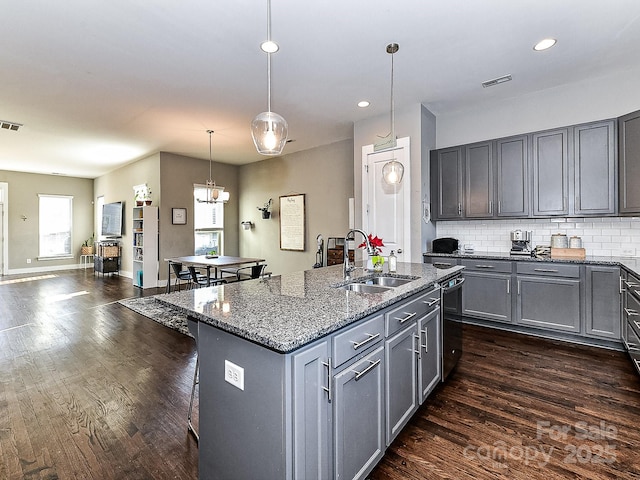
(550, 159)
(478, 193)
(629, 163)
(447, 182)
(512, 189)
(595, 168)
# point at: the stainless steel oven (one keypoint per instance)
(451, 323)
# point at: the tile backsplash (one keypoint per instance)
(602, 236)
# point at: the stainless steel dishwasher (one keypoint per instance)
(451, 323)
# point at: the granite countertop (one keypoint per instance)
(288, 311)
(630, 263)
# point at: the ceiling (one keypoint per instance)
(101, 84)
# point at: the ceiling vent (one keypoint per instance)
(10, 125)
(496, 81)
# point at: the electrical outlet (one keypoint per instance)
(234, 374)
(628, 252)
(28, 260)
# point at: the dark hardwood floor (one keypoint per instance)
(91, 390)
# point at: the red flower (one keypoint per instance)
(375, 242)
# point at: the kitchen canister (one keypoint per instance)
(575, 242)
(559, 240)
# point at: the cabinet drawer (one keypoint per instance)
(441, 262)
(410, 310)
(632, 285)
(357, 339)
(497, 266)
(549, 269)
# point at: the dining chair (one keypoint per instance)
(202, 280)
(251, 272)
(180, 274)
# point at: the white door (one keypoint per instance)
(386, 208)
(4, 199)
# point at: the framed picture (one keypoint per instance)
(292, 222)
(179, 216)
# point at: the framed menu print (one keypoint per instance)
(179, 216)
(292, 222)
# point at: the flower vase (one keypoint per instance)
(375, 263)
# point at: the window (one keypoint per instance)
(208, 223)
(56, 214)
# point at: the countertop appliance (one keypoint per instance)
(451, 301)
(521, 242)
(444, 245)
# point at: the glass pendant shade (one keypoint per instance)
(269, 131)
(392, 172)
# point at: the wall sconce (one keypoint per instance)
(247, 225)
(23, 217)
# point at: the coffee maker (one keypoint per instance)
(521, 242)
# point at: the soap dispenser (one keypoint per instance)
(393, 262)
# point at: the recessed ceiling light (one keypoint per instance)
(544, 44)
(363, 104)
(269, 46)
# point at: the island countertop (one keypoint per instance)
(288, 311)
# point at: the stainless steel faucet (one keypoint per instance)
(347, 268)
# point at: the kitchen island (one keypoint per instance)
(293, 370)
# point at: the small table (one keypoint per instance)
(208, 261)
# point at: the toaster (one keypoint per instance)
(444, 245)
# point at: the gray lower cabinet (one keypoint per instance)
(430, 353)
(548, 296)
(602, 302)
(401, 379)
(487, 290)
(629, 163)
(312, 448)
(358, 406)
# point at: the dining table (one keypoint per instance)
(210, 261)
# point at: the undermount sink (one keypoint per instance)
(364, 288)
(386, 281)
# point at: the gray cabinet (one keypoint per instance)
(430, 353)
(479, 175)
(311, 413)
(548, 296)
(512, 176)
(550, 168)
(447, 183)
(594, 159)
(602, 301)
(629, 163)
(487, 290)
(358, 407)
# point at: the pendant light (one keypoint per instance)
(392, 171)
(215, 193)
(268, 129)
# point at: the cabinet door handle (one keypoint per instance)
(518, 287)
(419, 339)
(622, 290)
(372, 365)
(431, 303)
(490, 206)
(546, 270)
(499, 206)
(408, 317)
(631, 284)
(484, 266)
(459, 209)
(426, 340)
(329, 375)
(631, 313)
(508, 286)
(637, 323)
(357, 345)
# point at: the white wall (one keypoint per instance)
(603, 236)
(590, 100)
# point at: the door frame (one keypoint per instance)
(401, 144)
(4, 234)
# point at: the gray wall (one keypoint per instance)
(324, 174)
(22, 241)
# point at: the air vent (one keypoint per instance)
(496, 81)
(10, 125)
